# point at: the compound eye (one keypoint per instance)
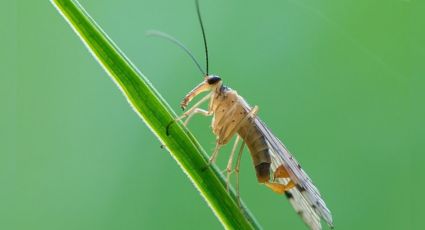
(214, 79)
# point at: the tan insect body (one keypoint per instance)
(233, 116)
(274, 165)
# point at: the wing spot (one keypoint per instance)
(289, 195)
(300, 188)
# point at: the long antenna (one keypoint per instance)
(177, 42)
(203, 33)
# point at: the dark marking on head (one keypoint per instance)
(289, 195)
(213, 79)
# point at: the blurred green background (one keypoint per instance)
(340, 82)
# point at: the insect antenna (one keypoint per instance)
(198, 11)
(177, 42)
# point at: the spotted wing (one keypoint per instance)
(304, 197)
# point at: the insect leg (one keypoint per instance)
(202, 87)
(215, 153)
(188, 112)
(230, 162)
(238, 163)
(194, 107)
(196, 111)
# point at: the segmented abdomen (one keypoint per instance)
(258, 149)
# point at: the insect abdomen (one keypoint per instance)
(258, 149)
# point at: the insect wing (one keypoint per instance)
(304, 197)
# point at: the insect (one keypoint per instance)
(232, 116)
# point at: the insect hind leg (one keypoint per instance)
(230, 163)
(237, 167)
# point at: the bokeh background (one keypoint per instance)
(340, 82)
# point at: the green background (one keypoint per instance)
(340, 82)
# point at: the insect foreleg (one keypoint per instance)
(197, 111)
(188, 112)
(197, 104)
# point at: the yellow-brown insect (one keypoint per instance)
(232, 116)
(275, 167)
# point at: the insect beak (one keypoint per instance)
(202, 87)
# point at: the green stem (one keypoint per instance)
(155, 112)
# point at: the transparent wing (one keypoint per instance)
(304, 197)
